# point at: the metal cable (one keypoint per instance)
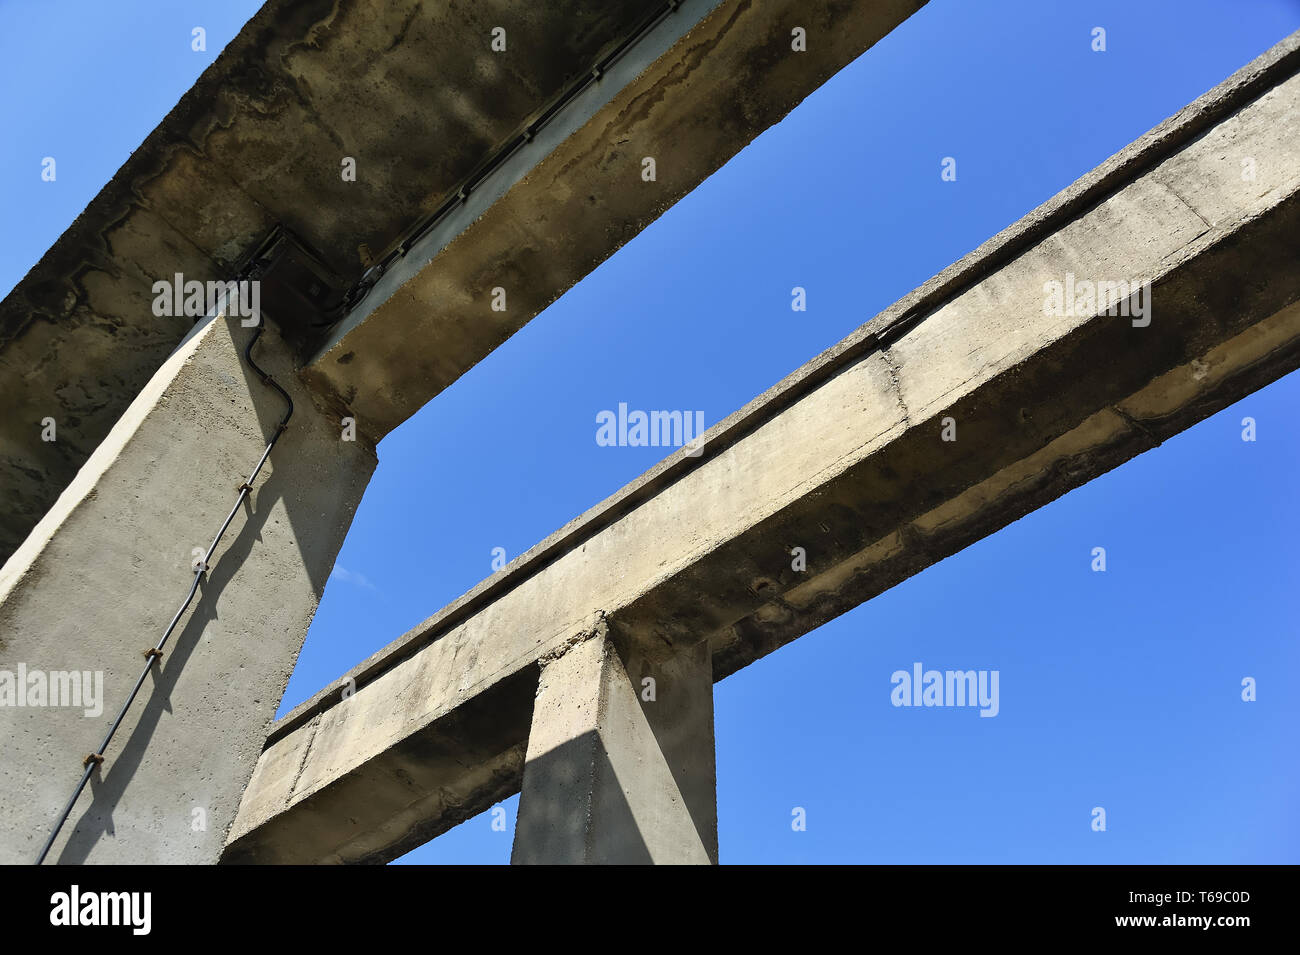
(156, 652)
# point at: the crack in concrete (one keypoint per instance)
(302, 764)
(1175, 193)
(599, 629)
(1136, 425)
(897, 385)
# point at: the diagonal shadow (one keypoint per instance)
(555, 826)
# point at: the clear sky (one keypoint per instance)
(1119, 689)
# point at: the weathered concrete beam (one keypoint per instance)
(411, 91)
(845, 459)
(100, 578)
(689, 95)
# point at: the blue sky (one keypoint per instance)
(1118, 689)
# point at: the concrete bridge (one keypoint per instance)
(533, 680)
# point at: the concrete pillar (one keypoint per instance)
(101, 576)
(620, 765)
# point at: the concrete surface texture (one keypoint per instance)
(99, 579)
(847, 459)
(415, 94)
(620, 763)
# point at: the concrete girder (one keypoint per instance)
(410, 90)
(413, 92)
(695, 90)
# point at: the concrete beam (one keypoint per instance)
(620, 767)
(415, 94)
(690, 94)
(846, 459)
(104, 572)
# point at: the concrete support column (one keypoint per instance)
(102, 574)
(620, 766)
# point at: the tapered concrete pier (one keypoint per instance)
(620, 765)
(99, 579)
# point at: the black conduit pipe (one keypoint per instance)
(156, 652)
